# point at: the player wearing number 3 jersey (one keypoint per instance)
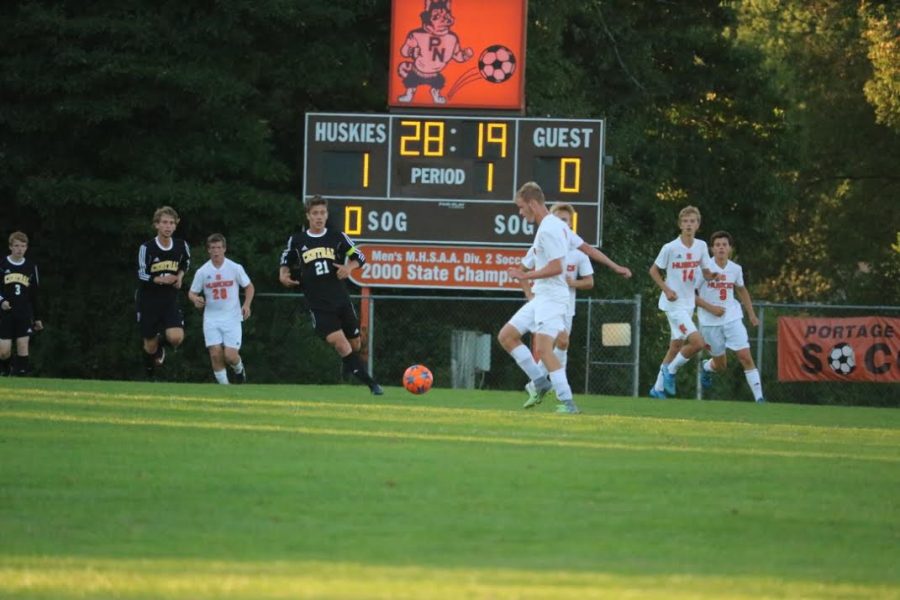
(324, 258)
(215, 291)
(685, 261)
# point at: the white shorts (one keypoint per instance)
(540, 315)
(731, 335)
(681, 325)
(226, 333)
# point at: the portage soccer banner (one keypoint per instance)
(854, 349)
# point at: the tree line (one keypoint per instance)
(780, 119)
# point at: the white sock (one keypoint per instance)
(708, 366)
(523, 358)
(562, 356)
(543, 367)
(239, 367)
(561, 385)
(755, 383)
(658, 386)
(221, 376)
(677, 363)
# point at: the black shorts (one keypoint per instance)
(14, 326)
(155, 316)
(344, 318)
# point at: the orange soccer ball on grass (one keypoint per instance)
(417, 379)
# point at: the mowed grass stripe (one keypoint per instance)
(683, 434)
(213, 580)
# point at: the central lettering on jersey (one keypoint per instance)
(317, 254)
(164, 265)
(720, 284)
(20, 278)
(219, 284)
(688, 264)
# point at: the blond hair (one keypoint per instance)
(17, 236)
(166, 211)
(689, 210)
(563, 207)
(531, 191)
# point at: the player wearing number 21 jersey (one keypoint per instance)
(325, 258)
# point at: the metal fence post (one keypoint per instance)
(636, 340)
(370, 342)
(760, 339)
(587, 347)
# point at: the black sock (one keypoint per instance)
(353, 364)
(4, 367)
(149, 362)
(20, 365)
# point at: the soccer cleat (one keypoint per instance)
(761, 401)
(567, 408)
(376, 389)
(241, 377)
(534, 398)
(160, 357)
(668, 382)
(659, 394)
(706, 379)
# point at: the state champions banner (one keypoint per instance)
(851, 349)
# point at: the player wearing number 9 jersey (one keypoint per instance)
(324, 258)
(721, 321)
(685, 259)
(219, 281)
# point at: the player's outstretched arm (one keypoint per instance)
(601, 258)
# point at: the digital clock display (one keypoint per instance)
(451, 180)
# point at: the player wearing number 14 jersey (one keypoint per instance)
(325, 257)
(219, 281)
(685, 261)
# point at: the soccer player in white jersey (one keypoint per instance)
(579, 276)
(219, 280)
(721, 320)
(551, 298)
(684, 259)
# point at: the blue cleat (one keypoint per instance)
(660, 395)
(668, 382)
(376, 389)
(706, 379)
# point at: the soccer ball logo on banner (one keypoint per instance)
(842, 359)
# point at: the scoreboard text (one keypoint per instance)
(451, 180)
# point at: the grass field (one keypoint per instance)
(127, 490)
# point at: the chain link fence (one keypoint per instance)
(454, 336)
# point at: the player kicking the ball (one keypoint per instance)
(219, 280)
(720, 316)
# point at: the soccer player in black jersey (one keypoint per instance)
(18, 306)
(162, 263)
(325, 258)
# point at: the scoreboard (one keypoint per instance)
(451, 180)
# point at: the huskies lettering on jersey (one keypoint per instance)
(164, 265)
(219, 284)
(688, 264)
(718, 285)
(19, 278)
(318, 254)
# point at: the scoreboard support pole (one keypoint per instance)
(366, 322)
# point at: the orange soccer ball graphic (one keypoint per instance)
(417, 379)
